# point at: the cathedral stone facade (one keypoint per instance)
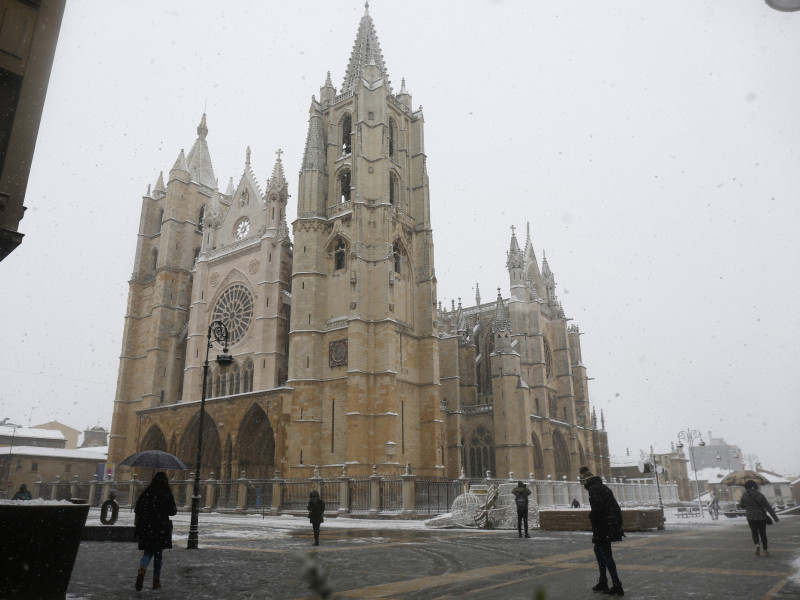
(343, 354)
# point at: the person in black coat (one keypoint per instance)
(606, 518)
(316, 511)
(153, 526)
(521, 493)
(758, 510)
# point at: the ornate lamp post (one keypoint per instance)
(220, 332)
(690, 435)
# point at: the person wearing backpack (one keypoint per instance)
(521, 493)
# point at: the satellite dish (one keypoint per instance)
(659, 469)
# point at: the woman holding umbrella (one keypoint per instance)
(153, 527)
(757, 507)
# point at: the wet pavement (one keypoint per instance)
(247, 557)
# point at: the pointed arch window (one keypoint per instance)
(247, 376)
(397, 254)
(481, 453)
(235, 379)
(344, 185)
(347, 128)
(392, 189)
(160, 220)
(392, 128)
(154, 260)
(201, 216)
(339, 255)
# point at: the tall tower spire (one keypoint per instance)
(366, 52)
(363, 279)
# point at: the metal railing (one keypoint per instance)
(392, 494)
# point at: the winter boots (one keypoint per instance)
(615, 590)
(156, 583)
(602, 586)
(758, 550)
(140, 579)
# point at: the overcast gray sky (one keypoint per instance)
(654, 148)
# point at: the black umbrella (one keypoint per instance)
(154, 459)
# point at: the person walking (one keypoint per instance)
(316, 512)
(606, 518)
(758, 514)
(153, 527)
(22, 494)
(521, 493)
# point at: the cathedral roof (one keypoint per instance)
(366, 52)
(199, 160)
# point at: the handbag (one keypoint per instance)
(769, 519)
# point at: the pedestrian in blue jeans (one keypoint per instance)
(153, 527)
(606, 518)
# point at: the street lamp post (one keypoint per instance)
(655, 474)
(690, 435)
(220, 333)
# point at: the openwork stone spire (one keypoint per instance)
(199, 159)
(366, 51)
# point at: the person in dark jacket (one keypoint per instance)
(758, 510)
(606, 519)
(22, 494)
(316, 512)
(521, 493)
(153, 527)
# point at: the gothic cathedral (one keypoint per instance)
(343, 355)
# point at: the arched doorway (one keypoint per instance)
(153, 440)
(255, 445)
(560, 455)
(210, 459)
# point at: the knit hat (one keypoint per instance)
(584, 473)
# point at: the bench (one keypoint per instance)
(688, 511)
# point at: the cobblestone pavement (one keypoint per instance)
(251, 558)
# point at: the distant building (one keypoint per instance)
(28, 35)
(70, 433)
(26, 436)
(626, 468)
(28, 464)
(95, 437)
(716, 454)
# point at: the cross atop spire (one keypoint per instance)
(279, 152)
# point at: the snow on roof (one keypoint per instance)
(710, 474)
(55, 452)
(28, 432)
(94, 450)
(624, 461)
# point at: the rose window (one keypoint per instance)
(235, 309)
(242, 229)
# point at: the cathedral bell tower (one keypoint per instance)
(363, 357)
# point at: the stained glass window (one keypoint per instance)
(235, 309)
